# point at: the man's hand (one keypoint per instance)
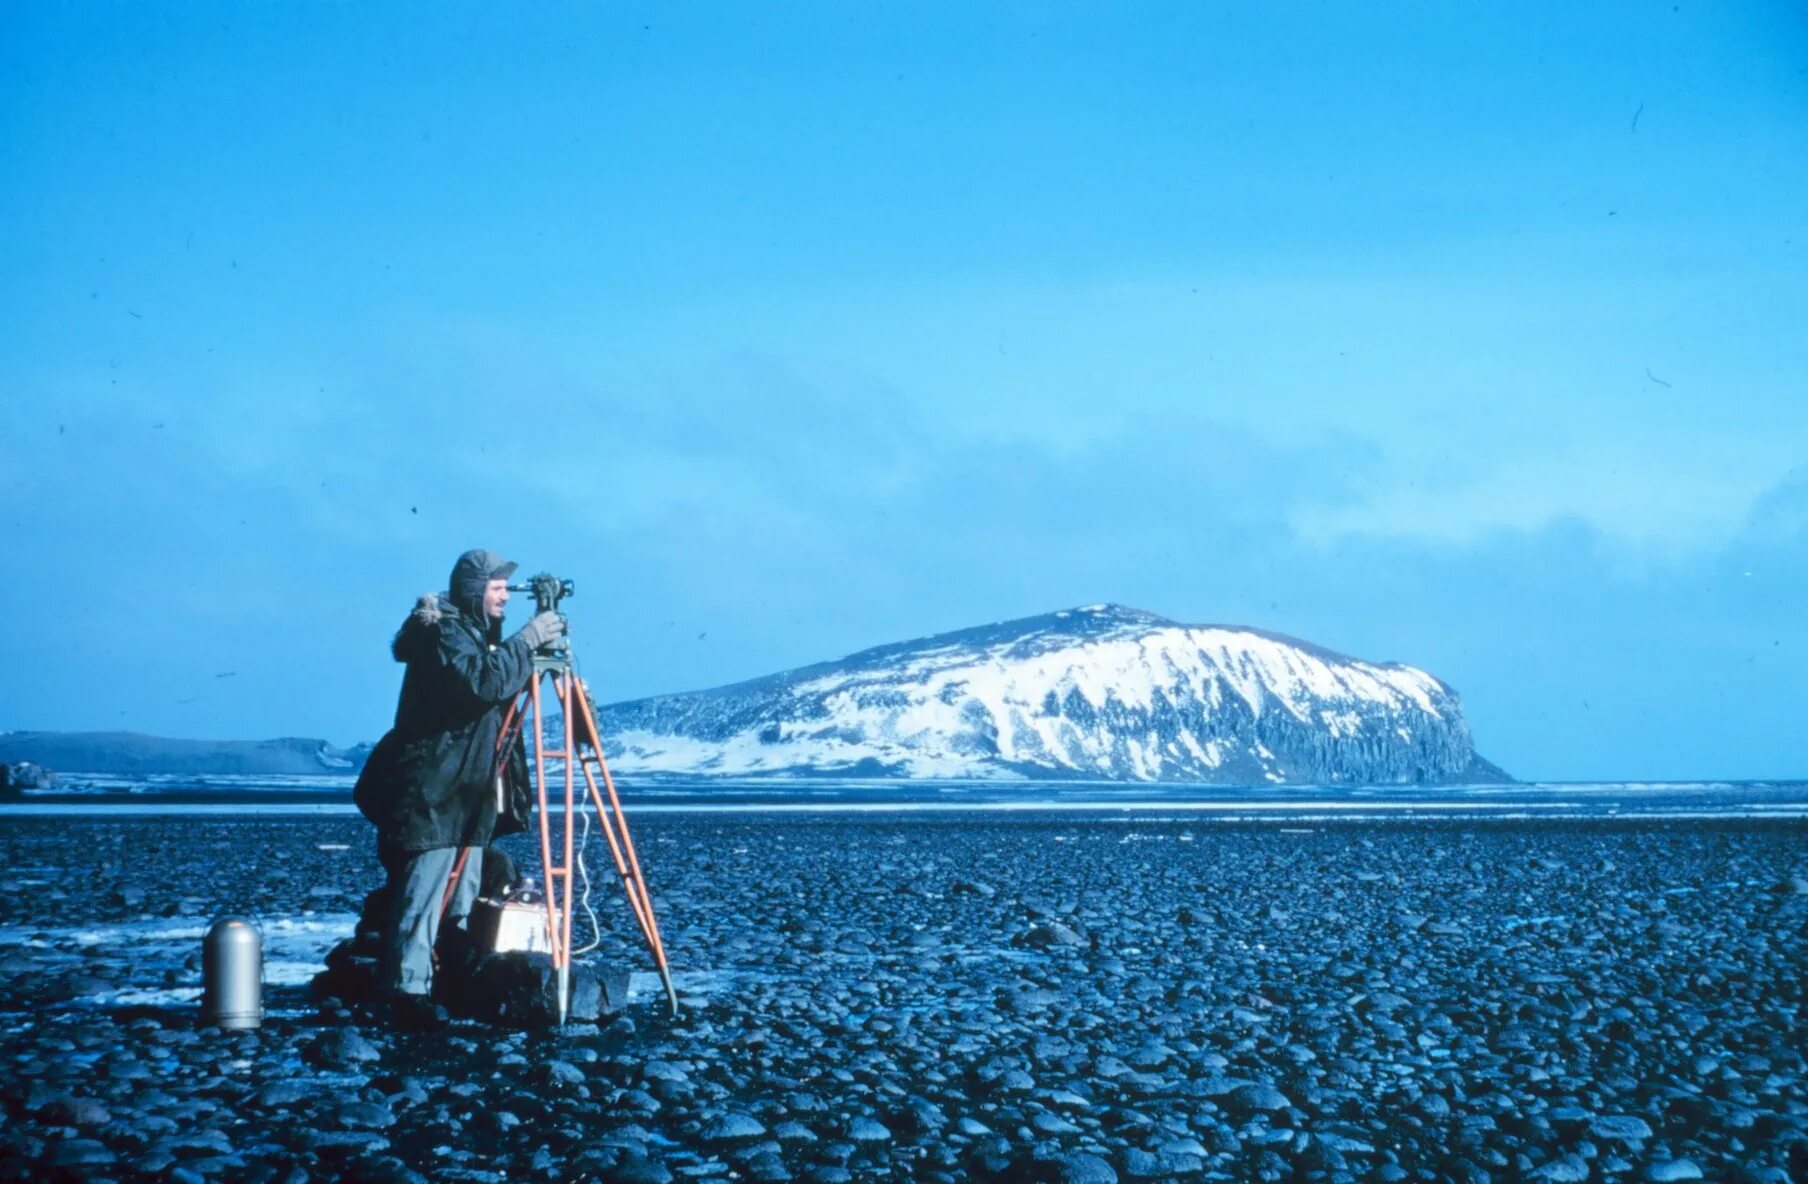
(543, 630)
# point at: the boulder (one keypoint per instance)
(514, 989)
(351, 971)
(519, 989)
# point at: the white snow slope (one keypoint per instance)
(1102, 692)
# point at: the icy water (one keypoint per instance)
(102, 793)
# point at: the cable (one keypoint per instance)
(596, 930)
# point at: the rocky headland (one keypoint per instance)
(1102, 692)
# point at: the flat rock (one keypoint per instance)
(280, 1095)
(1049, 1123)
(1565, 1169)
(868, 1130)
(343, 1048)
(563, 1073)
(343, 1144)
(1082, 1167)
(733, 1127)
(366, 1116)
(73, 1111)
(1624, 1128)
(1047, 934)
(644, 1171)
(1257, 1097)
(82, 1153)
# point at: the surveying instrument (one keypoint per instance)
(581, 750)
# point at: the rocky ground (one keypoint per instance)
(936, 997)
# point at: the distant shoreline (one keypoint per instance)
(1572, 800)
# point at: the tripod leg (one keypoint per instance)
(633, 881)
(608, 825)
(563, 686)
(553, 929)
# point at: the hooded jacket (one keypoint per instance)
(431, 780)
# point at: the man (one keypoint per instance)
(435, 785)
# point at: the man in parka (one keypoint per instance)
(435, 786)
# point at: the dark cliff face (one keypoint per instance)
(1102, 692)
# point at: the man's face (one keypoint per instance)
(495, 599)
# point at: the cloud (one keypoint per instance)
(1780, 513)
(1652, 501)
(795, 510)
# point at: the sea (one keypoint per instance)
(103, 793)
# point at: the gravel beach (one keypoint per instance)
(932, 996)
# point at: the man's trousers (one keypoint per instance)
(415, 919)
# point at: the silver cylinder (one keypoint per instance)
(232, 974)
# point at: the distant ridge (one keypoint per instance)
(135, 753)
(1102, 692)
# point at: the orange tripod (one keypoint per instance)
(581, 750)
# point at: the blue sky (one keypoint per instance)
(1466, 336)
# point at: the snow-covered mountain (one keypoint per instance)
(1102, 692)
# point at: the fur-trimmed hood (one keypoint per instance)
(471, 575)
(422, 625)
(431, 607)
(461, 603)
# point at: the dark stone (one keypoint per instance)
(559, 1073)
(1077, 1167)
(344, 1048)
(1255, 1097)
(732, 1127)
(867, 1130)
(364, 1116)
(81, 1153)
(351, 972)
(1620, 1128)
(768, 1167)
(521, 990)
(280, 1095)
(72, 1111)
(640, 1171)
(343, 1144)
(1050, 934)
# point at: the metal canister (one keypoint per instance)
(232, 974)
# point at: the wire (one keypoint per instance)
(596, 930)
